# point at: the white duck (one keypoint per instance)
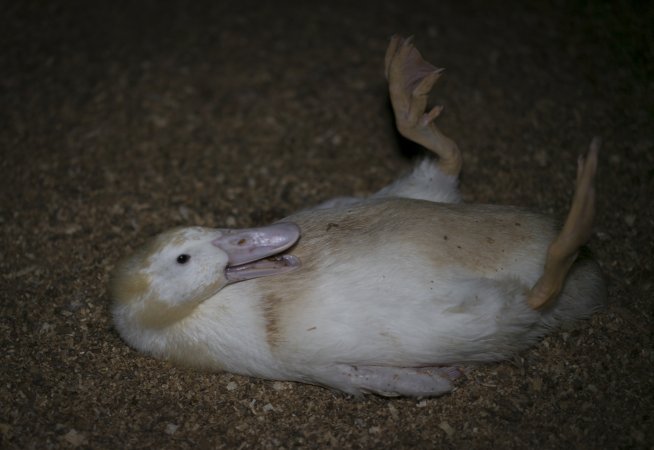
(385, 294)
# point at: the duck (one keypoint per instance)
(392, 294)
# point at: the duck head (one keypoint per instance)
(166, 279)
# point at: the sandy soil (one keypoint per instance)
(120, 121)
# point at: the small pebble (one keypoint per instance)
(74, 438)
(394, 413)
(447, 428)
(280, 386)
(268, 407)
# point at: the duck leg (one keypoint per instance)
(410, 80)
(576, 231)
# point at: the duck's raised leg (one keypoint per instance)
(410, 80)
(576, 231)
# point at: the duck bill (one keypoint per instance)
(251, 251)
(263, 268)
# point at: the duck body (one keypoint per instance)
(397, 287)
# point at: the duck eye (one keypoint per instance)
(183, 259)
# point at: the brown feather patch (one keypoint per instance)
(270, 305)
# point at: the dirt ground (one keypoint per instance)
(122, 120)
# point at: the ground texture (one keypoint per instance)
(120, 121)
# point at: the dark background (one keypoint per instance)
(122, 120)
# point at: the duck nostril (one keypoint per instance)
(183, 259)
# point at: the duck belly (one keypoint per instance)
(406, 318)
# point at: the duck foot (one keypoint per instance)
(410, 80)
(399, 381)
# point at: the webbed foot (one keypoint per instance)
(410, 80)
(399, 381)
